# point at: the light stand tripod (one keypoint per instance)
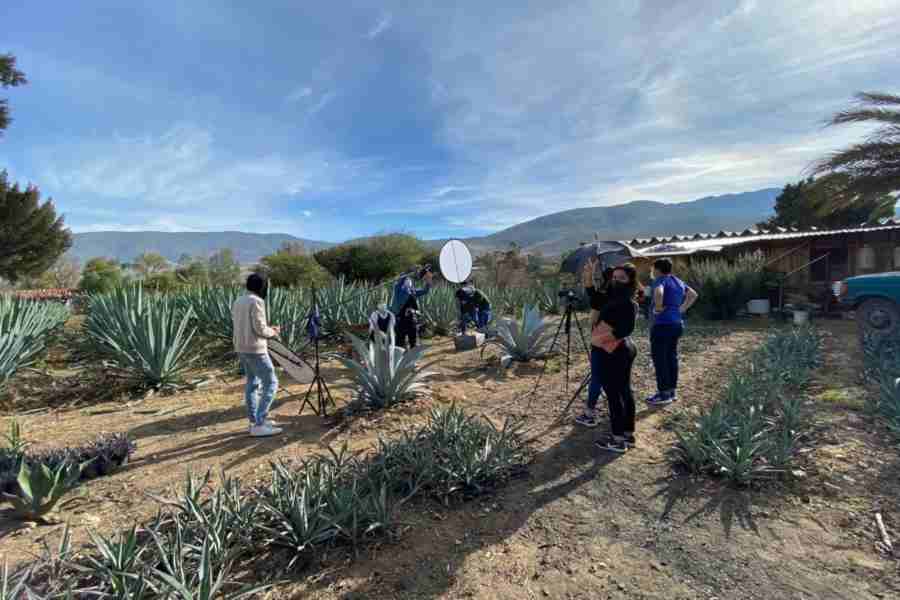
(323, 394)
(565, 325)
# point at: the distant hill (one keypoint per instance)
(550, 234)
(126, 245)
(558, 232)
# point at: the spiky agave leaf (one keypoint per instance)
(146, 338)
(523, 340)
(385, 373)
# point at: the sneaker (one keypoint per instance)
(619, 446)
(264, 431)
(268, 422)
(587, 419)
(630, 440)
(659, 400)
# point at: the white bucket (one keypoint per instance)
(801, 317)
(759, 307)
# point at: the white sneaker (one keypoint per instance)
(267, 422)
(264, 430)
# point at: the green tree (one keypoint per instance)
(101, 275)
(64, 273)
(192, 271)
(10, 76)
(223, 268)
(872, 166)
(810, 203)
(292, 270)
(165, 281)
(150, 263)
(32, 237)
(376, 258)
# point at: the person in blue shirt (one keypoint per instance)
(670, 298)
(405, 306)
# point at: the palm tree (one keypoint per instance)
(873, 165)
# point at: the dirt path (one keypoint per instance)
(580, 526)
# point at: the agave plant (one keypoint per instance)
(289, 309)
(386, 374)
(25, 326)
(522, 341)
(212, 308)
(441, 309)
(41, 488)
(145, 338)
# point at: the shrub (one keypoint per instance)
(725, 287)
(376, 258)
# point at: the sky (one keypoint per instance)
(335, 120)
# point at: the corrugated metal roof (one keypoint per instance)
(716, 242)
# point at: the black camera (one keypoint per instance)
(570, 294)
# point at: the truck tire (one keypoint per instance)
(878, 318)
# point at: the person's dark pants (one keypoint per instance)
(616, 369)
(596, 386)
(664, 350)
(406, 329)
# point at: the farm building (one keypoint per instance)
(812, 260)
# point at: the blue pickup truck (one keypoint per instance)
(876, 300)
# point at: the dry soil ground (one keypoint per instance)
(580, 525)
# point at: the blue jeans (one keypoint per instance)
(595, 388)
(259, 371)
(664, 350)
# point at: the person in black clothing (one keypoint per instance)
(474, 307)
(613, 354)
(597, 297)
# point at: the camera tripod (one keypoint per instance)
(565, 326)
(323, 394)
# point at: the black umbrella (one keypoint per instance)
(611, 254)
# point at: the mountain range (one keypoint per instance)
(550, 235)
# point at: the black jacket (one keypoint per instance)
(619, 312)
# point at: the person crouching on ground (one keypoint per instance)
(670, 298)
(597, 297)
(251, 332)
(405, 306)
(613, 353)
(474, 307)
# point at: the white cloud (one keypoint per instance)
(383, 24)
(299, 93)
(596, 104)
(185, 176)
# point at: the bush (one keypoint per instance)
(287, 269)
(376, 258)
(101, 276)
(752, 432)
(725, 287)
